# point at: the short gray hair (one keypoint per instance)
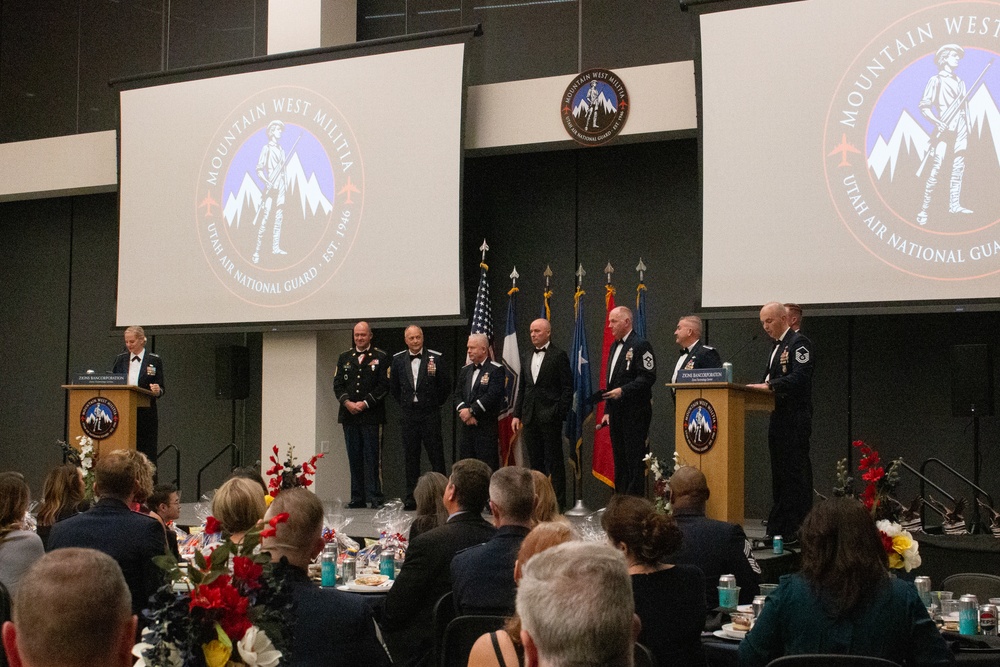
(513, 490)
(575, 601)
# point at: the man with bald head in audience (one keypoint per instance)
(331, 627)
(72, 609)
(629, 401)
(789, 377)
(715, 547)
(544, 397)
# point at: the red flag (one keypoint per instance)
(603, 465)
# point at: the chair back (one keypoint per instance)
(444, 612)
(983, 586)
(643, 656)
(825, 660)
(5, 615)
(461, 633)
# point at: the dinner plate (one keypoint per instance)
(358, 588)
(722, 635)
(731, 632)
(745, 608)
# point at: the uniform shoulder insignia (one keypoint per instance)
(496, 364)
(707, 347)
(401, 352)
(435, 352)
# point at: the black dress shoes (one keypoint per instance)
(356, 505)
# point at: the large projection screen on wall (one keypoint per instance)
(313, 192)
(827, 176)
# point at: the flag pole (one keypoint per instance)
(579, 509)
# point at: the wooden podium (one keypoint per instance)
(707, 409)
(124, 401)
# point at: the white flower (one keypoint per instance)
(175, 657)
(890, 528)
(256, 649)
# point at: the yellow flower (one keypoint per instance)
(217, 651)
(268, 499)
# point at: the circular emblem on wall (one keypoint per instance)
(279, 198)
(595, 107)
(700, 426)
(912, 144)
(99, 418)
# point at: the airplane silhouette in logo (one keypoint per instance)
(843, 149)
(349, 189)
(207, 203)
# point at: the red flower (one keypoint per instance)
(886, 542)
(272, 528)
(212, 526)
(868, 497)
(247, 571)
(223, 602)
(874, 474)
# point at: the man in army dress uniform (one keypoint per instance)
(360, 385)
(479, 398)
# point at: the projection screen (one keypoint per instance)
(851, 152)
(322, 191)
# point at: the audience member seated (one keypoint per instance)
(19, 548)
(331, 627)
(546, 504)
(482, 577)
(715, 547)
(843, 600)
(122, 478)
(669, 599)
(426, 572)
(575, 604)
(62, 497)
(253, 474)
(428, 495)
(238, 505)
(72, 610)
(503, 648)
(165, 505)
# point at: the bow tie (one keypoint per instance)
(683, 352)
(414, 356)
(477, 367)
(539, 350)
(136, 358)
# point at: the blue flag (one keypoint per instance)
(639, 321)
(580, 361)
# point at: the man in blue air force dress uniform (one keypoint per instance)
(789, 376)
(145, 370)
(361, 385)
(631, 374)
(479, 398)
(420, 383)
(694, 353)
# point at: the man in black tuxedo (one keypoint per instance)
(122, 477)
(361, 385)
(479, 398)
(145, 370)
(426, 572)
(331, 627)
(631, 375)
(715, 547)
(482, 577)
(544, 396)
(419, 381)
(694, 353)
(789, 376)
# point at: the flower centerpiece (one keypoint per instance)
(901, 549)
(661, 479)
(288, 474)
(226, 609)
(84, 459)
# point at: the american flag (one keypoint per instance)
(482, 316)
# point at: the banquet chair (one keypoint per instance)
(461, 633)
(5, 615)
(831, 660)
(643, 656)
(444, 612)
(983, 586)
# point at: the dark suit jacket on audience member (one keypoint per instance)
(132, 539)
(331, 627)
(717, 548)
(482, 577)
(423, 579)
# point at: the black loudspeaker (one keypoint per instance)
(971, 381)
(232, 372)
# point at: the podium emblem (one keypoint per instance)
(700, 426)
(99, 418)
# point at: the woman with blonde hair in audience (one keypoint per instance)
(19, 548)
(429, 496)
(669, 599)
(843, 600)
(238, 506)
(546, 505)
(503, 648)
(62, 497)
